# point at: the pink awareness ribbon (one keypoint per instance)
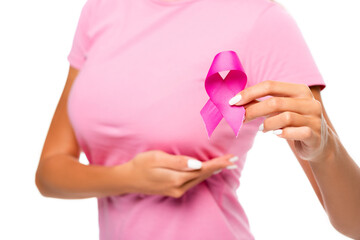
(220, 91)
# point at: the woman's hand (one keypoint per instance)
(157, 172)
(293, 113)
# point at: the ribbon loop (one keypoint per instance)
(220, 91)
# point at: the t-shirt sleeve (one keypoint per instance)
(81, 41)
(276, 50)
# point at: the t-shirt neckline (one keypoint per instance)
(172, 2)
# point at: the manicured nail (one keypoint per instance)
(261, 127)
(193, 163)
(235, 99)
(232, 167)
(217, 171)
(277, 131)
(234, 159)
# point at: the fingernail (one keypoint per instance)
(234, 159)
(193, 163)
(277, 131)
(217, 171)
(235, 99)
(232, 167)
(261, 127)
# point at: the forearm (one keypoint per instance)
(338, 178)
(63, 176)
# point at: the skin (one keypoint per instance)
(295, 108)
(299, 111)
(61, 175)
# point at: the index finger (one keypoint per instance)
(178, 162)
(268, 87)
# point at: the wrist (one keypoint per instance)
(122, 177)
(329, 155)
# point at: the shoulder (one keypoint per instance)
(247, 13)
(268, 9)
(254, 7)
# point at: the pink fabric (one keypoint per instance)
(141, 87)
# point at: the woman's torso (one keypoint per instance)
(142, 88)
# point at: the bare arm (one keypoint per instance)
(336, 180)
(60, 174)
(296, 113)
(305, 164)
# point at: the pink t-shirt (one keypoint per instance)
(141, 87)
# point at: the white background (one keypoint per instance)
(36, 37)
